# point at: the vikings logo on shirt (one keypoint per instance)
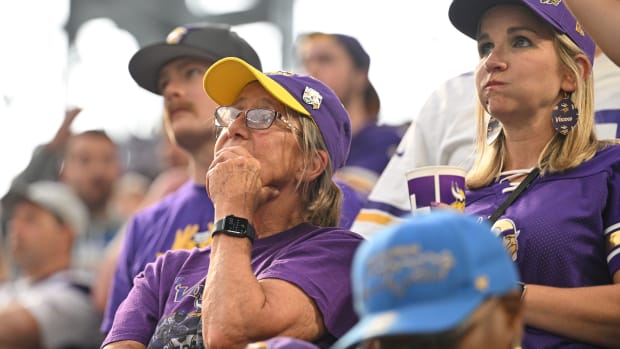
(551, 2)
(312, 97)
(178, 330)
(507, 230)
(190, 237)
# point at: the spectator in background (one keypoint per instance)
(436, 281)
(607, 96)
(601, 19)
(129, 194)
(175, 164)
(48, 307)
(174, 69)
(342, 63)
(90, 164)
(548, 186)
(442, 133)
(175, 171)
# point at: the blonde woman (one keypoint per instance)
(549, 188)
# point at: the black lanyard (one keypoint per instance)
(513, 196)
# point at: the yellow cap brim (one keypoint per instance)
(225, 79)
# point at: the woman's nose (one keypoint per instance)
(495, 62)
(237, 126)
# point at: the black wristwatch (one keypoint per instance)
(234, 226)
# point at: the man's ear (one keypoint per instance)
(569, 83)
(315, 166)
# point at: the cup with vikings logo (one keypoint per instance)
(445, 184)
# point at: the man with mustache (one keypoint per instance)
(182, 220)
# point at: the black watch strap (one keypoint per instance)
(234, 226)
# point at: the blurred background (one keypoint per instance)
(61, 53)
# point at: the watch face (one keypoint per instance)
(237, 224)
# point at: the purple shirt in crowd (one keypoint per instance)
(372, 147)
(182, 220)
(163, 309)
(557, 230)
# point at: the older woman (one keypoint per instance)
(548, 186)
(275, 267)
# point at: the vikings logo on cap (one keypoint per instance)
(551, 2)
(280, 72)
(312, 97)
(176, 35)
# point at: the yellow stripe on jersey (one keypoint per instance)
(374, 217)
(613, 240)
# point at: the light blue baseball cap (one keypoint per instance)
(426, 276)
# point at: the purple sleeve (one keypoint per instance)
(321, 267)
(138, 315)
(123, 276)
(352, 203)
(611, 220)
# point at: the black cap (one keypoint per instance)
(207, 41)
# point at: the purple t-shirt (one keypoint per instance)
(164, 306)
(182, 220)
(372, 147)
(557, 230)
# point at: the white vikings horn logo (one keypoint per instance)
(312, 97)
(459, 196)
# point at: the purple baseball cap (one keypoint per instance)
(306, 95)
(201, 40)
(465, 16)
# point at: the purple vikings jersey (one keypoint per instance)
(563, 231)
(163, 309)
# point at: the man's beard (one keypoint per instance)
(192, 140)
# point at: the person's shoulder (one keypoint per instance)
(379, 136)
(188, 194)
(606, 160)
(176, 259)
(462, 82)
(336, 234)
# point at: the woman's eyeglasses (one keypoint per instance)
(257, 119)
